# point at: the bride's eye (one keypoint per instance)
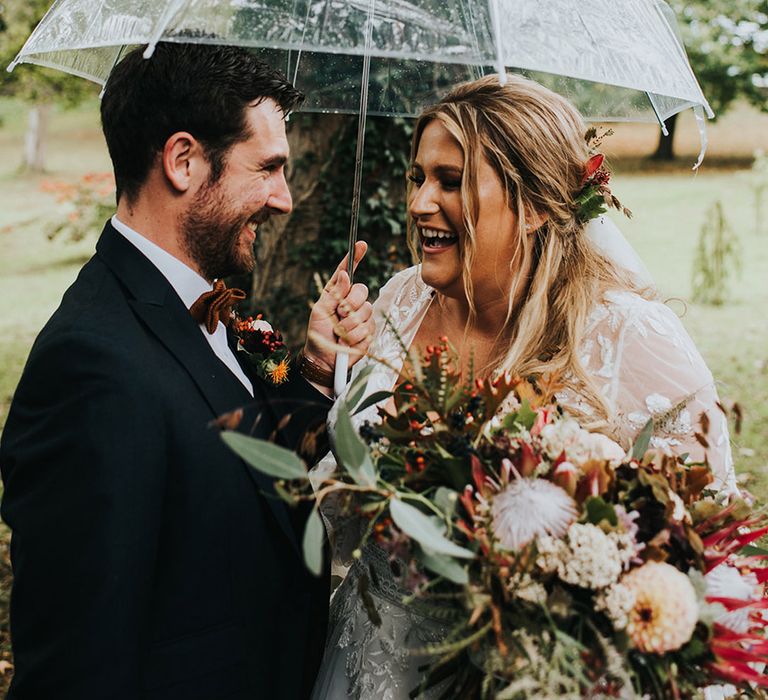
(416, 178)
(451, 184)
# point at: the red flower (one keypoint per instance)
(592, 166)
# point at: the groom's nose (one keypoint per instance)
(280, 201)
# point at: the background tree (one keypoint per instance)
(727, 43)
(39, 87)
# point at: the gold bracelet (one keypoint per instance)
(313, 372)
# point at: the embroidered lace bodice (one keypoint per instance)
(645, 365)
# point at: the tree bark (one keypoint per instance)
(36, 139)
(314, 142)
(665, 149)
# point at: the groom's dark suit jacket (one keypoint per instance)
(150, 562)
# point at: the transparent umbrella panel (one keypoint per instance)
(396, 87)
(617, 60)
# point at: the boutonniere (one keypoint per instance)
(264, 346)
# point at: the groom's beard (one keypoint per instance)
(213, 234)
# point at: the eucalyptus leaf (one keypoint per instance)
(351, 452)
(424, 530)
(371, 400)
(444, 566)
(357, 387)
(312, 544)
(265, 456)
(445, 499)
(643, 440)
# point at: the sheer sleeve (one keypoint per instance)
(651, 369)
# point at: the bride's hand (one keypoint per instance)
(342, 315)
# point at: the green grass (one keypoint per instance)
(669, 210)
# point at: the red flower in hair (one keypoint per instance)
(592, 166)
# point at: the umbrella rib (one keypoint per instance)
(162, 24)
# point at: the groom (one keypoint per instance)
(150, 562)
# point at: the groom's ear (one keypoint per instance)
(183, 161)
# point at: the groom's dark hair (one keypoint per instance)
(201, 89)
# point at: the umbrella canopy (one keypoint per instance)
(617, 60)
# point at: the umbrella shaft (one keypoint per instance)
(355, 215)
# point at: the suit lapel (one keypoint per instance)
(158, 306)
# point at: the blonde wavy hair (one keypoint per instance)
(534, 141)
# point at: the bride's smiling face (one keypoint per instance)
(435, 205)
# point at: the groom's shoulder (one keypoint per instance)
(93, 308)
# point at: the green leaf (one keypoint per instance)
(357, 387)
(752, 550)
(526, 416)
(445, 499)
(424, 530)
(444, 566)
(351, 452)
(372, 399)
(643, 440)
(312, 544)
(265, 456)
(598, 510)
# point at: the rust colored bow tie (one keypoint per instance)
(216, 305)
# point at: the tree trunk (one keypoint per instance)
(36, 138)
(665, 149)
(279, 275)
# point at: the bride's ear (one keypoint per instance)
(534, 220)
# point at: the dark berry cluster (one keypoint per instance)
(369, 433)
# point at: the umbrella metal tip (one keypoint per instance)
(149, 51)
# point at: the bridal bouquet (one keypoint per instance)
(567, 567)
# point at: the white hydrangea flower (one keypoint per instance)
(617, 601)
(524, 587)
(627, 547)
(579, 445)
(587, 557)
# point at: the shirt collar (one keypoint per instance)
(187, 283)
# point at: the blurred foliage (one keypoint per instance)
(32, 83)
(718, 259)
(727, 43)
(382, 204)
(89, 203)
(758, 183)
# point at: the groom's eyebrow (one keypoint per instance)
(273, 162)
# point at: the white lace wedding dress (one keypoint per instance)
(645, 364)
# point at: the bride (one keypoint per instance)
(516, 279)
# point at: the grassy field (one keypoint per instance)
(670, 204)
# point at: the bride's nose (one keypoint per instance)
(423, 202)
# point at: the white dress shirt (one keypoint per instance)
(189, 286)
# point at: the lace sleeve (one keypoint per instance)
(659, 373)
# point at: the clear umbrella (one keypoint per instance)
(617, 60)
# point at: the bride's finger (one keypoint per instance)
(353, 301)
(361, 248)
(359, 317)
